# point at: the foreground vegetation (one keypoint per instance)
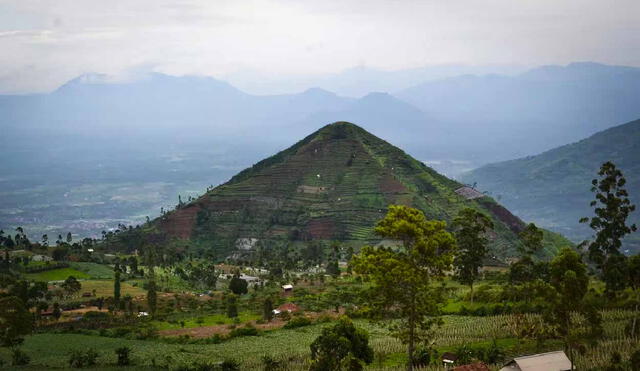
(327, 307)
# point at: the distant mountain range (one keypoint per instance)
(160, 128)
(335, 184)
(499, 117)
(361, 80)
(553, 188)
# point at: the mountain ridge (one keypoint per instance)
(553, 187)
(334, 184)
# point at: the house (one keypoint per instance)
(287, 288)
(552, 361)
(478, 366)
(448, 359)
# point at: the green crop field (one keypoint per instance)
(94, 270)
(60, 274)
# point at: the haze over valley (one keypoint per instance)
(178, 135)
(320, 185)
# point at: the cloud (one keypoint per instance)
(67, 38)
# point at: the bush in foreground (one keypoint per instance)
(342, 346)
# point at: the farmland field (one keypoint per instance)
(60, 274)
(293, 345)
(105, 288)
(94, 270)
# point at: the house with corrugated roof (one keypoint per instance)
(551, 361)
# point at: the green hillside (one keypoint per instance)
(553, 188)
(333, 185)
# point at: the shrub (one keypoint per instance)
(635, 361)
(285, 316)
(229, 365)
(342, 342)
(80, 359)
(270, 364)
(215, 339)
(324, 318)
(423, 356)
(297, 322)
(94, 316)
(244, 331)
(123, 356)
(19, 358)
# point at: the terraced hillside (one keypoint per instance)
(333, 185)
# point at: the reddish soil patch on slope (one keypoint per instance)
(389, 184)
(513, 222)
(180, 222)
(321, 228)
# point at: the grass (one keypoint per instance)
(94, 270)
(105, 288)
(208, 320)
(60, 274)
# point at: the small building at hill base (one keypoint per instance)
(551, 361)
(448, 359)
(287, 288)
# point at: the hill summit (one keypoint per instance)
(334, 184)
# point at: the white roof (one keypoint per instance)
(287, 287)
(552, 361)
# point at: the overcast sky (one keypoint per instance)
(45, 43)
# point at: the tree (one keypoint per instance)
(471, 229)
(203, 276)
(71, 286)
(341, 347)
(401, 279)
(612, 208)
(116, 287)
(152, 297)
(333, 268)
(232, 306)
(566, 300)
(123, 356)
(237, 285)
(56, 311)
(15, 321)
(69, 238)
(267, 310)
(532, 238)
(633, 266)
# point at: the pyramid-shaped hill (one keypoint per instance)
(334, 184)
